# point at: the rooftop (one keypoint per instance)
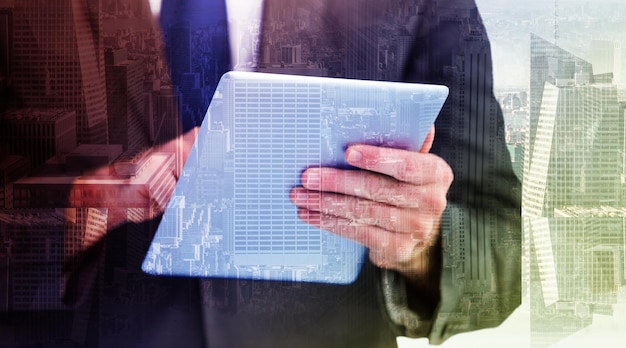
(49, 115)
(33, 217)
(595, 212)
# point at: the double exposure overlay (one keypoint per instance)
(101, 101)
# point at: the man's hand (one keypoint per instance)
(393, 206)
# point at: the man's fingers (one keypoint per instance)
(395, 248)
(364, 211)
(376, 187)
(392, 207)
(406, 166)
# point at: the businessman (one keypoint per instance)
(435, 221)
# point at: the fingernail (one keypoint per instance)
(354, 156)
(312, 179)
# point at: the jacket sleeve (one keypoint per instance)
(480, 237)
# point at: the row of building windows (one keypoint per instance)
(275, 248)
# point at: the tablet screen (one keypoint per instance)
(230, 213)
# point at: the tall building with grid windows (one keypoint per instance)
(58, 62)
(125, 103)
(39, 134)
(179, 38)
(467, 72)
(167, 125)
(362, 56)
(258, 125)
(573, 193)
(6, 50)
(549, 62)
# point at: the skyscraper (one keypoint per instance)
(179, 46)
(576, 135)
(125, 104)
(173, 221)
(58, 62)
(215, 149)
(253, 131)
(549, 62)
(6, 51)
(362, 41)
(39, 134)
(573, 192)
(167, 122)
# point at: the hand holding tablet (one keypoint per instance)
(231, 214)
(392, 206)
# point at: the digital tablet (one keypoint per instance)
(230, 215)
